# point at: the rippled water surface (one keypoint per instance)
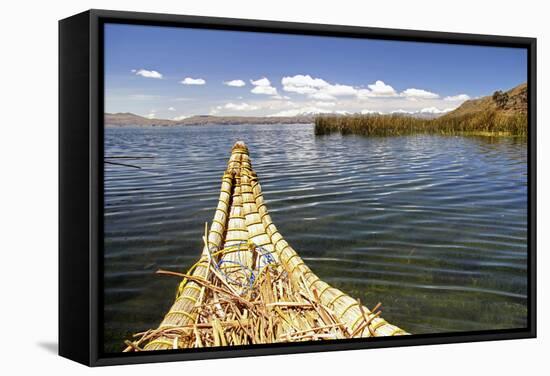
(433, 227)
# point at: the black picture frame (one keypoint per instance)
(81, 184)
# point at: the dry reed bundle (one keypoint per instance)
(250, 287)
(480, 123)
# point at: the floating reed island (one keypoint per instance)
(249, 286)
(482, 124)
(502, 114)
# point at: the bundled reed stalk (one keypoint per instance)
(250, 287)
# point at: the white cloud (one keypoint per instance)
(303, 84)
(193, 81)
(322, 96)
(237, 107)
(267, 90)
(457, 98)
(316, 88)
(151, 115)
(181, 117)
(280, 97)
(338, 90)
(261, 82)
(364, 94)
(369, 112)
(147, 73)
(235, 83)
(419, 94)
(434, 110)
(171, 109)
(319, 89)
(325, 104)
(380, 89)
(263, 86)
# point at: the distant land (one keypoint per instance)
(129, 119)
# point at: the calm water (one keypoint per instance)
(433, 227)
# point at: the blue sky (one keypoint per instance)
(175, 73)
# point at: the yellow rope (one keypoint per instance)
(345, 310)
(185, 313)
(188, 297)
(378, 324)
(296, 266)
(341, 295)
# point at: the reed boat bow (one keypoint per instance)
(250, 286)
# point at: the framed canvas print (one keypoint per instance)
(239, 187)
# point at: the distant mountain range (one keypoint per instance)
(129, 119)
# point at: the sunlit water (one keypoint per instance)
(433, 227)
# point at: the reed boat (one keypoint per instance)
(249, 285)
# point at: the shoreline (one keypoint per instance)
(198, 125)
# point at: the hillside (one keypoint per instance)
(511, 102)
(129, 119)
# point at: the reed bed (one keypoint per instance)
(250, 287)
(479, 123)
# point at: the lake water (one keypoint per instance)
(434, 227)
